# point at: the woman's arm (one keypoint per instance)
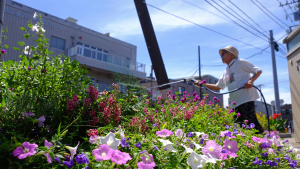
(250, 82)
(210, 86)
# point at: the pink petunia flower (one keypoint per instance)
(120, 157)
(48, 144)
(49, 159)
(103, 153)
(205, 136)
(40, 121)
(164, 133)
(179, 133)
(29, 150)
(147, 162)
(258, 140)
(231, 145)
(212, 148)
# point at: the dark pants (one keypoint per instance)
(247, 111)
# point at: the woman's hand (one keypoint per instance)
(197, 83)
(249, 84)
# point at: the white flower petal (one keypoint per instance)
(165, 142)
(110, 139)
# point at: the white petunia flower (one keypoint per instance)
(187, 150)
(170, 148)
(111, 140)
(165, 142)
(27, 50)
(196, 161)
(198, 133)
(95, 140)
(197, 146)
(72, 150)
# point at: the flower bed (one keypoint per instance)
(48, 122)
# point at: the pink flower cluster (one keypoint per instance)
(111, 110)
(72, 103)
(93, 132)
(94, 117)
(93, 93)
(87, 102)
(106, 153)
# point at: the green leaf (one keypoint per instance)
(21, 43)
(15, 48)
(6, 46)
(51, 154)
(23, 29)
(58, 130)
(43, 148)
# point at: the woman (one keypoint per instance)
(237, 74)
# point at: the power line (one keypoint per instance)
(272, 13)
(190, 3)
(260, 52)
(286, 13)
(191, 71)
(203, 27)
(243, 20)
(247, 16)
(267, 14)
(206, 27)
(232, 19)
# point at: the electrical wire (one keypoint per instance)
(267, 14)
(232, 19)
(286, 13)
(272, 13)
(207, 27)
(197, 67)
(260, 52)
(243, 20)
(190, 3)
(247, 16)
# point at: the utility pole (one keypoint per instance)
(152, 44)
(151, 76)
(2, 9)
(199, 70)
(260, 89)
(275, 80)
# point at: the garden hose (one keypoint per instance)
(193, 80)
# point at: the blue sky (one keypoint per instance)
(178, 40)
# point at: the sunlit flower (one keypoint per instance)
(29, 150)
(111, 140)
(27, 50)
(164, 133)
(212, 148)
(231, 145)
(35, 15)
(103, 153)
(179, 133)
(147, 162)
(196, 161)
(72, 150)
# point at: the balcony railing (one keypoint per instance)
(104, 56)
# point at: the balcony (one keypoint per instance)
(101, 59)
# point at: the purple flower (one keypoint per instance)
(201, 141)
(173, 97)
(29, 150)
(287, 158)
(69, 164)
(170, 91)
(243, 125)
(235, 131)
(215, 98)
(228, 134)
(231, 145)
(40, 121)
(154, 125)
(164, 133)
(234, 103)
(190, 134)
(29, 68)
(213, 134)
(264, 154)
(271, 163)
(57, 160)
(3, 51)
(227, 127)
(257, 161)
(103, 153)
(138, 145)
(239, 114)
(224, 151)
(265, 145)
(192, 145)
(252, 125)
(286, 141)
(43, 71)
(81, 158)
(142, 152)
(218, 100)
(120, 157)
(194, 94)
(147, 162)
(277, 159)
(212, 148)
(293, 164)
(156, 148)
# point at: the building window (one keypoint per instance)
(181, 89)
(58, 43)
(289, 111)
(283, 111)
(294, 43)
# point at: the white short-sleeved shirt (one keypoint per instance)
(239, 75)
